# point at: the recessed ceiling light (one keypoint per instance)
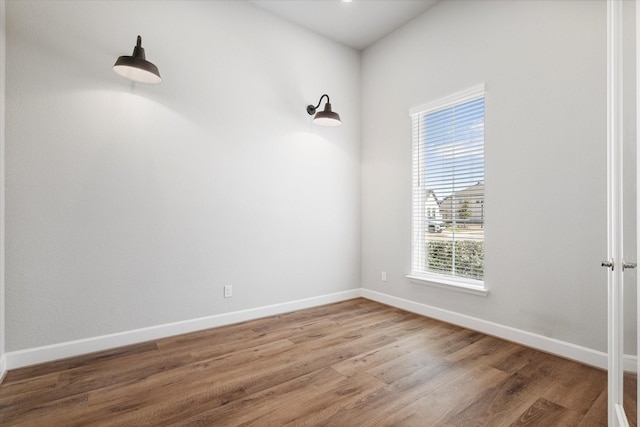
(346, 1)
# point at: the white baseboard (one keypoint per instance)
(32, 356)
(564, 349)
(3, 367)
(630, 363)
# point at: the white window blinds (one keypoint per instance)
(448, 188)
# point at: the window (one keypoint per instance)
(448, 191)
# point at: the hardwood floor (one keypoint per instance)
(355, 363)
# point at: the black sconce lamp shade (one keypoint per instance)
(136, 67)
(325, 117)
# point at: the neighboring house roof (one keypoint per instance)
(432, 193)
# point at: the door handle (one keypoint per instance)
(625, 265)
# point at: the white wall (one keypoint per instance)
(130, 206)
(544, 67)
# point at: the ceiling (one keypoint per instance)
(357, 24)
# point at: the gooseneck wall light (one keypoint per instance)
(325, 117)
(136, 67)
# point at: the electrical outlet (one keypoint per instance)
(228, 291)
(383, 276)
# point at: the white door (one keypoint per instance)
(615, 278)
(616, 262)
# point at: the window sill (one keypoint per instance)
(452, 285)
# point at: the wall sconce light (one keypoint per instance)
(325, 117)
(136, 67)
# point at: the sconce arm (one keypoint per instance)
(312, 110)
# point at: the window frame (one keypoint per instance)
(446, 281)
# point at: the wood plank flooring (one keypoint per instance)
(355, 363)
